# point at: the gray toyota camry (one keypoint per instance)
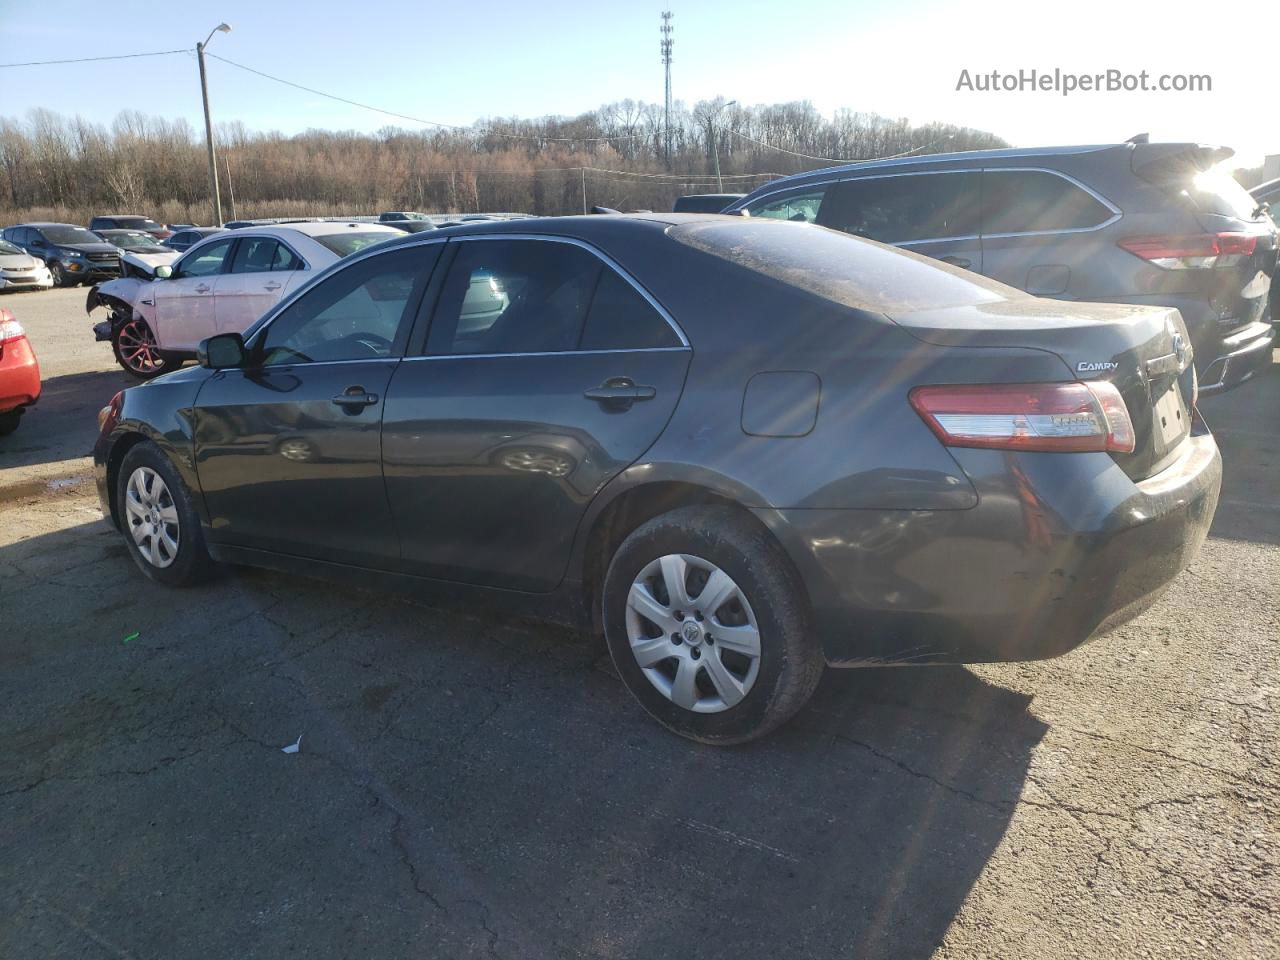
(740, 449)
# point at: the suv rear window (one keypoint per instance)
(1217, 193)
(1034, 201)
(848, 270)
(905, 208)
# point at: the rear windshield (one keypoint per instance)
(345, 244)
(848, 270)
(1217, 192)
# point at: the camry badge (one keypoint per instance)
(1099, 366)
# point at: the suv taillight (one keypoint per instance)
(1195, 250)
(1049, 417)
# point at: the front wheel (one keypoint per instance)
(135, 347)
(9, 421)
(161, 527)
(708, 626)
(59, 274)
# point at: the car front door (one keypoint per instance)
(259, 276)
(934, 214)
(184, 303)
(288, 449)
(545, 373)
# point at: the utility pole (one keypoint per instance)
(667, 42)
(584, 189)
(208, 123)
(715, 143)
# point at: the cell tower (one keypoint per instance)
(666, 29)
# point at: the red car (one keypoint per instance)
(19, 373)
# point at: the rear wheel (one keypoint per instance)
(160, 523)
(708, 627)
(136, 350)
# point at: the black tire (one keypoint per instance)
(790, 655)
(191, 562)
(59, 275)
(127, 337)
(9, 421)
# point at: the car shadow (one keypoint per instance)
(63, 424)
(474, 784)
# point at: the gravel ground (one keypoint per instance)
(468, 786)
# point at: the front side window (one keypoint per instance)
(205, 262)
(1034, 201)
(799, 207)
(514, 296)
(906, 209)
(361, 313)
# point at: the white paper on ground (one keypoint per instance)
(293, 747)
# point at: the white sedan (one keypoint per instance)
(21, 271)
(220, 285)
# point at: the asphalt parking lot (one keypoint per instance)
(469, 786)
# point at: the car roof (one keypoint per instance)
(942, 159)
(49, 223)
(1266, 187)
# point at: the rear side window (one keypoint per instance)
(906, 209)
(1034, 201)
(799, 207)
(514, 296)
(621, 319)
(255, 255)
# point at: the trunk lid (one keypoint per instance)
(1144, 351)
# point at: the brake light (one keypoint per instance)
(109, 414)
(10, 329)
(1196, 250)
(1050, 417)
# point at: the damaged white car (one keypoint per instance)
(157, 318)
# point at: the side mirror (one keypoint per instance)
(164, 271)
(226, 351)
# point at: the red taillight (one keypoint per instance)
(1196, 250)
(109, 414)
(10, 329)
(1050, 417)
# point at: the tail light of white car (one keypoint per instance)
(1051, 417)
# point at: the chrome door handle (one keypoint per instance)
(271, 286)
(203, 288)
(963, 262)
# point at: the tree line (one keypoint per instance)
(66, 168)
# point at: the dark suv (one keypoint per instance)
(1135, 222)
(73, 254)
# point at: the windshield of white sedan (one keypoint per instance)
(345, 244)
(9, 248)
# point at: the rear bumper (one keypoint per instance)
(1241, 354)
(19, 376)
(1061, 548)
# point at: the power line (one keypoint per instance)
(121, 56)
(806, 156)
(405, 116)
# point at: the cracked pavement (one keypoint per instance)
(470, 786)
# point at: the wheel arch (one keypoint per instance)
(128, 435)
(636, 500)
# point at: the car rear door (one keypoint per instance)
(288, 449)
(933, 213)
(1041, 232)
(546, 372)
(259, 275)
(184, 303)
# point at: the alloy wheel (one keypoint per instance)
(152, 517)
(693, 633)
(138, 349)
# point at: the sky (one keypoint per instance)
(459, 62)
